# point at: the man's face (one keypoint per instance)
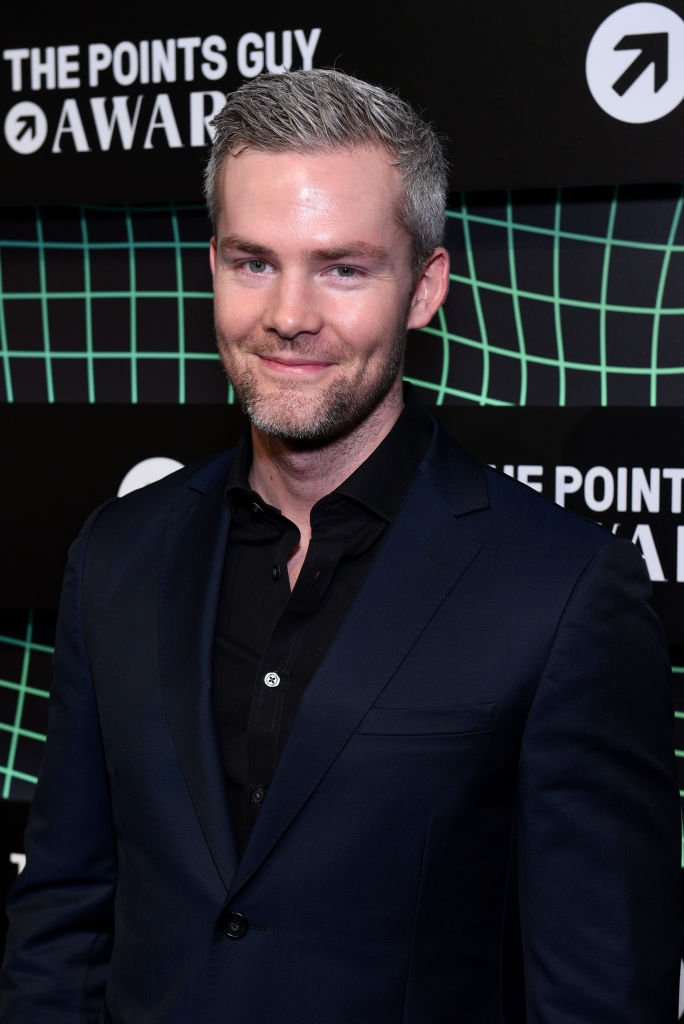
(313, 289)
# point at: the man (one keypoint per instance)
(343, 718)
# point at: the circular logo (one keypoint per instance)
(25, 127)
(146, 472)
(635, 63)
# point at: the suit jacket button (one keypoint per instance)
(235, 925)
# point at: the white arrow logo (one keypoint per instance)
(25, 127)
(635, 63)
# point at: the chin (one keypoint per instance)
(309, 421)
(306, 431)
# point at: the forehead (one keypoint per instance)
(357, 188)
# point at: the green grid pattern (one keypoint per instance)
(21, 759)
(516, 265)
(126, 251)
(645, 363)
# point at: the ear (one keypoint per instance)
(431, 289)
(212, 256)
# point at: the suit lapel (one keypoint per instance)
(191, 578)
(423, 555)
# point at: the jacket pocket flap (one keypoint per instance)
(429, 721)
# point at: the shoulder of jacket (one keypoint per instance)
(150, 504)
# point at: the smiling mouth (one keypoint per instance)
(297, 365)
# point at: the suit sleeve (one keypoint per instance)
(598, 820)
(61, 908)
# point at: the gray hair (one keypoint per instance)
(320, 110)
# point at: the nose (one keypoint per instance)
(292, 308)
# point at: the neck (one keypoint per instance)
(294, 479)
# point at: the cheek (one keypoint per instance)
(233, 314)
(364, 320)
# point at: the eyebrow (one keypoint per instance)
(351, 250)
(244, 245)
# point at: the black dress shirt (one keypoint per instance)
(269, 640)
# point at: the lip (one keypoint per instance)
(298, 367)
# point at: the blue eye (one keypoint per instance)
(257, 266)
(346, 271)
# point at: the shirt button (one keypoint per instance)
(272, 679)
(275, 573)
(257, 795)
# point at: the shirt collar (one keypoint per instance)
(381, 482)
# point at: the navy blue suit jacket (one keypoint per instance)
(491, 727)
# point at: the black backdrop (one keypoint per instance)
(558, 356)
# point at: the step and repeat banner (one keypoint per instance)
(558, 357)
(547, 92)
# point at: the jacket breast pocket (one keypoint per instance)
(470, 718)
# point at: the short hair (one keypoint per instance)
(320, 110)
